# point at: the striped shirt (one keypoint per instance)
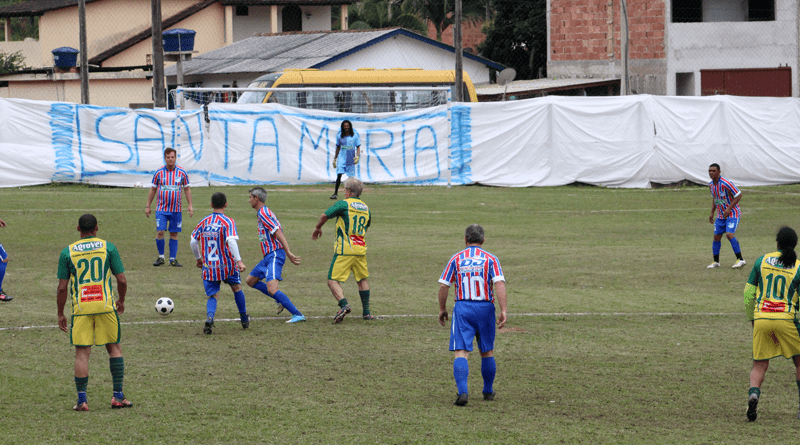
(268, 224)
(169, 183)
(212, 234)
(474, 272)
(723, 193)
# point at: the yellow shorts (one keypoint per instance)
(774, 338)
(98, 329)
(343, 264)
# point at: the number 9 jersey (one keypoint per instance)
(474, 272)
(86, 264)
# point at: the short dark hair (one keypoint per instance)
(218, 200)
(87, 223)
(474, 234)
(169, 150)
(715, 165)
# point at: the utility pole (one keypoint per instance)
(624, 89)
(159, 95)
(459, 53)
(84, 55)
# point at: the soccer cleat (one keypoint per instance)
(489, 396)
(245, 321)
(461, 400)
(368, 317)
(4, 297)
(334, 196)
(713, 265)
(280, 308)
(739, 264)
(340, 315)
(297, 318)
(752, 407)
(159, 262)
(81, 407)
(209, 324)
(174, 263)
(119, 403)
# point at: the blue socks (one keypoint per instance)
(461, 372)
(735, 245)
(211, 307)
(160, 247)
(279, 296)
(2, 273)
(715, 247)
(488, 370)
(173, 249)
(238, 297)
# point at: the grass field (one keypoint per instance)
(617, 332)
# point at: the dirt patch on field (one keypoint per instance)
(507, 330)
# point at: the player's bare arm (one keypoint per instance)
(188, 192)
(150, 197)
(61, 301)
(318, 229)
(500, 294)
(292, 257)
(2, 223)
(730, 207)
(122, 290)
(443, 291)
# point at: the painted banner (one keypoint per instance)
(631, 141)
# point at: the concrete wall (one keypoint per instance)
(728, 45)
(111, 92)
(30, 50)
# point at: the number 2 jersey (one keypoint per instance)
(212, 235)
(353, 219)
(772, 290)
(474, 272)
(86, 264)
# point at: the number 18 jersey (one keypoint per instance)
(353, 220)
(474, 272)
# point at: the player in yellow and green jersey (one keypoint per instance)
(771, 300)
(350, 249)
(84, 277)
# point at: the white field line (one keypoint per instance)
(530, 314)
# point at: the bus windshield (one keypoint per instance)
(255, 97)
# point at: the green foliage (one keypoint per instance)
(372, 14)
(440, 12)
(517, 37)
(617, 332)
(11, 62)
(21, 27)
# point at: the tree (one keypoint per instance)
(11, 62)
(518, 37)
(383, 14)
(440, 12)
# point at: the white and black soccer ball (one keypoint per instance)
(164, 306)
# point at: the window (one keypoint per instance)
(687, 11)
(761, 10)
(242, 11)
(690, 11)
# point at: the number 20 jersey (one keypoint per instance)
(473, 271)
(88, 265)
(212, 234)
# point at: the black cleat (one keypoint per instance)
(208, 326)
(461, 400)
(334, 196)
(159, 262)
(752, 408)
(340, 315)
(4, 297)
(368, 317)
(245, 321)
(175, 263)
(489, 396)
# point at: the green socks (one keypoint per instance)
(364, 294)
(117, 372)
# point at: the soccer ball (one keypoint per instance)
(164, 306)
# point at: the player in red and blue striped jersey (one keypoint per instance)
(275, 248)
(478, 279)
(3, 264)
(217, 252)
(167, 183)
(725, 207)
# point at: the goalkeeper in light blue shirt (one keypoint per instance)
(348, 150)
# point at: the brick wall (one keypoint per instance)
(582, 29)
(471, 35)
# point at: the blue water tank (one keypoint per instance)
(178, 40)
(65, 57)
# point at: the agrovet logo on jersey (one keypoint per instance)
(88, 246)
(359, 206)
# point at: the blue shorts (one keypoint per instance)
(472, 320)
(270, 267)
(169, 221)
(3, 254)
(212, 287)
(725, 225)
(344, 163)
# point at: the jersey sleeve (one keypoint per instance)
(63, 265)
(185, 178)
(114, 259)
(268, 222)
(495, 271)
(449, 272)
(356, 139)
(751, 288)
(337, 209)
(156, 179)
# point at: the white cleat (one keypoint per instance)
(739, 264)
(713, 265)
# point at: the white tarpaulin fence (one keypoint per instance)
(609, 141)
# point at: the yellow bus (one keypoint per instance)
(354, 101)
